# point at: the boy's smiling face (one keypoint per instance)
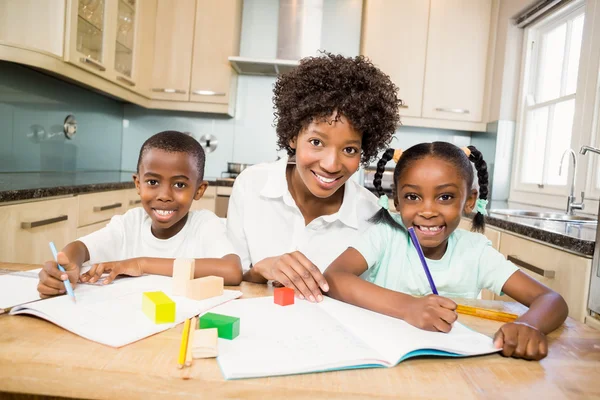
(168, 183)
(431, 197)
(327, 154)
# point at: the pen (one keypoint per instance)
(413, 237)
(68, 286)
(184, 343)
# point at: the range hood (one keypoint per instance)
(278, 33)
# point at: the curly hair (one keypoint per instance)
(353, 87)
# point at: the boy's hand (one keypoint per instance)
(520, 340)
(432, 313)
(295, 271)
(52, 279)
(131, 267)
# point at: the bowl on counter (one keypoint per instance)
(236, 168)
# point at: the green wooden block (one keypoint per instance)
(227, 327)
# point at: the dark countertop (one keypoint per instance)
(17, 186)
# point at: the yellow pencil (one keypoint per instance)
(485, 313)
(184, 343)
(188, 356)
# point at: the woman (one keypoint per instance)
(288, 220)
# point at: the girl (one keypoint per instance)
(433, 187)
(289, 219)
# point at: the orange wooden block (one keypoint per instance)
(203, 288)
(183, 272)
(283, 296)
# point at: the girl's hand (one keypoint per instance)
(131, 267)
(52, 279)
(432, 313)
(295, 271)
(521, 340)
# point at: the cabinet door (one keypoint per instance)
(207, 202)
(132, 199)
(29, 227)
(86, 230)
(563, 272)
(173, 50)
(394, 37)
(125, 42)
(457, 49)
(97, 207)
(87, 34)
(216, 37)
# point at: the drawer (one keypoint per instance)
(31, 226)
(563, 272)
(86, 230)
(132, 199)
(102, 206)
(207, 202)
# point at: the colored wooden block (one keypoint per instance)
(205, 343)
(228, 327)
(183, 272)
(204, 288)
(283, 296)
(158, 307)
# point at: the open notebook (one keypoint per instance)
(112, 314)
(307, 337)
(17, 287)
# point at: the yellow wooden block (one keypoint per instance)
(203, 288)
(158, 307)
(204, 344)
(183, 272)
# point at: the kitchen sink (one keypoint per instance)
(547, 216)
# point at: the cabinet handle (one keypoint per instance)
(93, 63)
(453, 110)
(403, 106)
(540, 271)
(35, 224)
(208, 93)
(108, 207)
(168, 90)
(126, 80)
(134, 202)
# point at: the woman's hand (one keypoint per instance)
(131, 267)
(52, 279)
(521, 340)
(295, 271)
(432, 313)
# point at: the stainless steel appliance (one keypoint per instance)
(387, 181)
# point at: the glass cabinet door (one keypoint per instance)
(124, 45)
(91, 29)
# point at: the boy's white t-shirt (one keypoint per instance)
(129, 236)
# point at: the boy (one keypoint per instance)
(146, 239)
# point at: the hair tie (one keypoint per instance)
(384, 202)
(467, 151)
(481, 206)
(397, 155)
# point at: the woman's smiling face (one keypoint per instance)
(327, 154)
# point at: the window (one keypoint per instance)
(548, 100)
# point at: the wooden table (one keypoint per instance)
(39, 358)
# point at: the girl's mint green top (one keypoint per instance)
(469, 264)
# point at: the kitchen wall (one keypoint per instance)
(33, 107)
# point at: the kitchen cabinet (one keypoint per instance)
(86, 230)
(207, 202)
(29, 227)
(132, 199)
(567, 274)
(102, 206)
(436, 52)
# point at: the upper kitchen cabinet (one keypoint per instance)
(173, 43)
(436, 52)
(216, 37)
(455, 70)
(395, 39)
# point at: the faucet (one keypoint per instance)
(571, 204)
(585, 149)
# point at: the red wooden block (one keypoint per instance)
(283, 296)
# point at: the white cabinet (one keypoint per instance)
(455, 71)
(436, 52)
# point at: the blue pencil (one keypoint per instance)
(413, 237)
(60, 267)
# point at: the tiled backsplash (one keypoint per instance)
(33, 107)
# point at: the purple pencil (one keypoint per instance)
(413, 237)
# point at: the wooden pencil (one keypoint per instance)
(486, 313)
(188, 356)
(184, 343)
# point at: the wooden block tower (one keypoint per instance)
(184, 283)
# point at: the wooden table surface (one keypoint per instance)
(39, 358)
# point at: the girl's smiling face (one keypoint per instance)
(431, 197)
(168, 183)
(327, 154)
